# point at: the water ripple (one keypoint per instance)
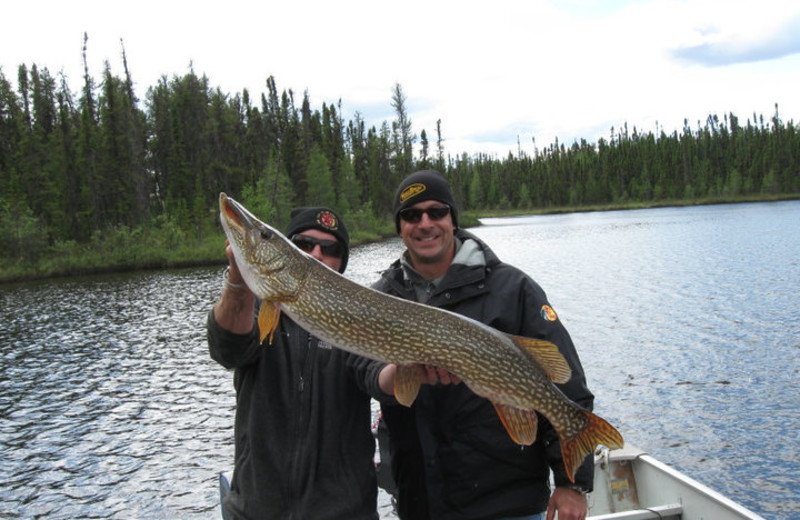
(687, 321)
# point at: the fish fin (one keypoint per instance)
(547, 355)
(521, 425)
(407, 380)
(268, 316)
(597, 431)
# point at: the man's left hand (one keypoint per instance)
(570, 504)
(437, 376)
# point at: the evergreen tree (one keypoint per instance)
(423, 154)
(403, 136)
(87, 160)
(75, 222)
(440, 166)
(76, 167)
(136, 143)
(320, 182)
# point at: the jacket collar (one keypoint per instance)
(473, 258)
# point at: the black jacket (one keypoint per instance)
(450, 445)
(303, 444)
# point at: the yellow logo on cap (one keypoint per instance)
(412, 190)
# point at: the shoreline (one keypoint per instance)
(469, 219)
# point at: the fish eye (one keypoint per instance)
(266, 233)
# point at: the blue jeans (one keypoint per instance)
(538, 516)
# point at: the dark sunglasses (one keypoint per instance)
(328, 247)
(414, 215)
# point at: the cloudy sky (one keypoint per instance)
(495, 72)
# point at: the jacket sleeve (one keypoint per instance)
(539, 320)
(231, 350)
(365, 372)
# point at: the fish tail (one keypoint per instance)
(574, 449)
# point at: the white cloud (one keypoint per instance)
(492, 72)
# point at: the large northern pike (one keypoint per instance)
(516, 374)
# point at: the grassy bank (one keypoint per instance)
(168, 247)
(120, 250)
(637, 205)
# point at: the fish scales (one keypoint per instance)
(389, 329)
(403, 331)
(466, 355)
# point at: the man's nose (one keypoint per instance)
(317, 252)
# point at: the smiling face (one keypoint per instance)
(430, 243)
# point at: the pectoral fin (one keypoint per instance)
(547, 355)
(407, 380)
(521, 425)
(268, 316)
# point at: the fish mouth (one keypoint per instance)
(235, 215)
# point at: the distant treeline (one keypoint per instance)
(77, 168)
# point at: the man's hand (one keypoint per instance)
(236, 306)
(570, 504)
(435, 376)
(428, 374)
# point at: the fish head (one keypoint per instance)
(269, 263)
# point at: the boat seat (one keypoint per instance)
(631, 485)
(620, 495)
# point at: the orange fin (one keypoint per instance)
(576, 448)
(407, 380)
(547, 355)
(521, 425)
(268, 316)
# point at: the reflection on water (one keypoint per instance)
(686, 319)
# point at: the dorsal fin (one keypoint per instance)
(547, 355)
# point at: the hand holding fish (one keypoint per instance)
(236, 306)
(436, 376)
(429, 375)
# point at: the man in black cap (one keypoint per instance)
(303, 444)
(451, 456)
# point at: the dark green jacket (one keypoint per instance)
(450, 446)
(303, 444)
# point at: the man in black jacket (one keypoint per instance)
(451, 456)
(303, 444)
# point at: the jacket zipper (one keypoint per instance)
(302, 420)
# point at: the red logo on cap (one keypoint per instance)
(327, 219)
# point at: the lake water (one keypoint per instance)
(687, 321)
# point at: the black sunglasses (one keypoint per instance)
(328, 247)
(414, 215)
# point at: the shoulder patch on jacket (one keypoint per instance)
(548, 314)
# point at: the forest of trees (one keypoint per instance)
(78, 167)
